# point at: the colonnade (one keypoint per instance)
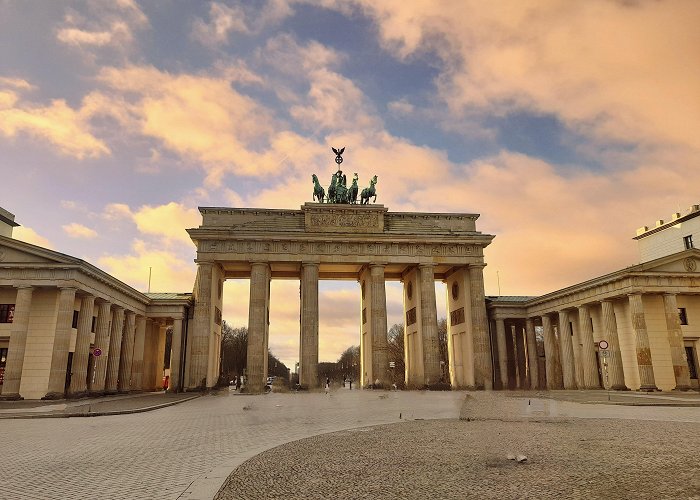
(126, 354)
(572, 357)
(423, 364)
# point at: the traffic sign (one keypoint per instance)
(97, 352)
(605, 354)
(603, 344)
(392, 364)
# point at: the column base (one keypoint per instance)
(11, 397)
(77, 395)
(95, 394)
(111, 392)
(648, 388)
(683, 388)
(53, 396)
(619, 388)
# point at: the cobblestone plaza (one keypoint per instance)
(189, 450)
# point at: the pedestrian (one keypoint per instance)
(351, 383)
(328, 384)
(238, 383)
(345, 379)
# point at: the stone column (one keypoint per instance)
(78, 381)
(675, 341)
(588, 354)
(532, 357)
(258, 326)
(428, 307)
(139, 349)
(115, 351)
(502, 352)
(175, 356)
(483, 370)
(308, 342)
(616, 376)
(61, 344)
(380, 344)
(567, 351)
(126, 359)
(18, 343)
(521, 376)
(201, 326)
(551, 353)
(639, 325)
(102, 342)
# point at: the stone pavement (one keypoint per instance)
(92, 407)
(188, 450)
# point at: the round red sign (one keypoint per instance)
(97, 352)
(603, 344)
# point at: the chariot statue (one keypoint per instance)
(338, 192)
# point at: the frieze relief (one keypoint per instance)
(340, 248)
(344, 220)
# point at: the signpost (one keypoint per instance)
(605, 354)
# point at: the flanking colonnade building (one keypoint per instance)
(68, 329)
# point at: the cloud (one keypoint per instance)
(227, 19)
(75, 230)
(67, 129)
(28, 235)
(169, 272)
(102, 24)
(613, 71)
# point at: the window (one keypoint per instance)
(682, 315)
(691, 362)
(75, 320)
(688, 241)
(7, 313)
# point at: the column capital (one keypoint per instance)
(101, 301)
(306, 263)
(669, 294)
(22, 287)
(635, 294)
(423, 265)
(67, 289)
(479, 265)
(377, 264)
(117, 308)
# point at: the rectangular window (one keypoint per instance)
(7, 313)
(682, 315)
(92, 328)
(364, 315)
(691, 362)
(688, 241)
(75, 320)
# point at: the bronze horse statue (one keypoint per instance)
(368, 192)
(319, 193)
(353, 190)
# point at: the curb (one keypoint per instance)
(98, 413)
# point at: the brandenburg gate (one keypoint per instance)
(362, 242)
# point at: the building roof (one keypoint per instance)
(676, 219)
(511, 298)
(168, 296)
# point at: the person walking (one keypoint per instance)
(328, 384)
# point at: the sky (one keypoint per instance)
(566, 125)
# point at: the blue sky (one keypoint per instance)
(566, 125)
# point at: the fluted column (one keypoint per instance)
(483, 369)
(258, 326)
(639, 325)
(567, 351)
(590, 368)
(59, 359)
(552, 366)
(102, 342)
(115, 351)
(139, 349)
(78, 381)
(428, 307)
(18, 343)
(380, 344)
(532, 357)
(201, 326)
(520, 372)
(616, 376)
(502, 352)
(126, 359)
(175, 356)
(308, 342)
(675, 341)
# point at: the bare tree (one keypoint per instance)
(349, 363)
(395, 339)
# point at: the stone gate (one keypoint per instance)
(366, 243)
